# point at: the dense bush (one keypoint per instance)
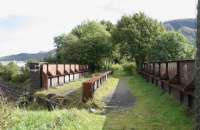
(9, 71)
(129, 68)
(116, 67)
(22, 76)
(13, 73)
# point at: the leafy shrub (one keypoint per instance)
(116, 67)
(129, 68)
(19, 78)
(13, 73)
(9, 71)
(22, 76)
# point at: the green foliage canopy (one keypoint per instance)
(171, 46)
(135, 38)
(88, 43)
(137, 34)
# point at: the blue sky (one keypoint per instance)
(30, 25)
(12, 22)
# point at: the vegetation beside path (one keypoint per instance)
(76, 117)
(153, 110)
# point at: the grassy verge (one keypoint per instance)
(68, 95)
(156, 110)
(72, 119)
(67, 119)
(153, 110)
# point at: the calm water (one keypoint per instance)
(19, 63)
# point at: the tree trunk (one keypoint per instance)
(197, 75)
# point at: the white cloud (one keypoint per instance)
(48, 18)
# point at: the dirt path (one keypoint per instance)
(121, 98)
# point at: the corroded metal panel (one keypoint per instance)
(187, 70)
(157, 71)
(172, 70)
(163, 70)
(52, 69)
(61, 69)
(67, 68)
(72, 68)
(77, 68)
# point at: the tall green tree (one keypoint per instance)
(116, 55)
(65, 45)
(138, 34)
(197, 76)
(171, 46)
(109, 25)
(88, 43)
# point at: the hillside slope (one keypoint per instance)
(26, 56)
(186, 26)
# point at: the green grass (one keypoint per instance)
(62, 93)
(158, 110)
(74, 118)
(75, 98)
(153, 110)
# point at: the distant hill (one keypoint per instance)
(186, 26)
(26, 56)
